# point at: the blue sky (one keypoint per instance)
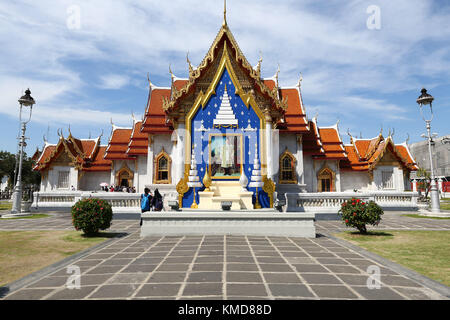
(365, 78)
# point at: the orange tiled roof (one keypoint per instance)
(294, 117)
(311, 141)
(138, 144)
(45, 154)
(155, 117)
(364, 154)
(99, 163)
(118, 144)
(332, 143)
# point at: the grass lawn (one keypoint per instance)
(34, 216)
(426, 217)
(445, 206)
(5, 205)
(426, 252)
(23, 252)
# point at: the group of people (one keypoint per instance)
(151, 202)
(119, 189)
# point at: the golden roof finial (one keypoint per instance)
(224, 13)
(191, 69)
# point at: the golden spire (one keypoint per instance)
(224, 13)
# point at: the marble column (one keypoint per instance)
(299, 156)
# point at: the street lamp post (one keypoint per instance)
(423, 100)
(24, 101)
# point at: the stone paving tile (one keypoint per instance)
(207, 260)
(243, 277)
(383, 293)
(281, 278)
(205, 277)
(50, 282)
(413, 294)
(207, 267)
(290, 290)
(72, 294)
(312, 268)
(355, 280)
(122, 278)
(114, 291)
(29, 294)
(157, 289)
(95, 279)
(167, 277)
(154, 260)
(173, 267)
(132, 268)
(338, 269)
(271, 267)
(270, 260)
(398, 281)
(247, 289)
(247, 259)
(339, 292)
(242, 267)
(202, 289)
(320, 278)
(115, 262)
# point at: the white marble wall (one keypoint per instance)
(351, 180)
(90, 181)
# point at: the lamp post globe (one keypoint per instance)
(426, 99)
(24, 101)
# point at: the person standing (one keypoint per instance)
(146, 201)
(157, 202)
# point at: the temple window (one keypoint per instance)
(162, 168)
(287, 168)
(325, 180)
(63, 179)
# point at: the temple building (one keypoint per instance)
(226, 134)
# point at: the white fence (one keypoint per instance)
(330, 202)
(120, 202)
(326, 202)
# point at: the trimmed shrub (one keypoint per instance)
(357, 213)
(91, 215)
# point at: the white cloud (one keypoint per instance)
(113, 81)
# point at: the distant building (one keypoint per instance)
(441, 156)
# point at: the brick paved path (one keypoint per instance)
(224, 267)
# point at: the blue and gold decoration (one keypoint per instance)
(225, 134)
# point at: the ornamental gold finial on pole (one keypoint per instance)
(224, 13)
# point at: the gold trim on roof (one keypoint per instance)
(168, 105)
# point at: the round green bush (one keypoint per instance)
(91, 215)
(357, 213)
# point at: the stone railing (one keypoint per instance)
(330, 202)
(62, 201)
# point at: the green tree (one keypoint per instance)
(425, 182)
(7, 166)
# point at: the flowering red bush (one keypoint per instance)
(357, 213)
(91, 215)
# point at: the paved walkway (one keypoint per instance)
(225, 267)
